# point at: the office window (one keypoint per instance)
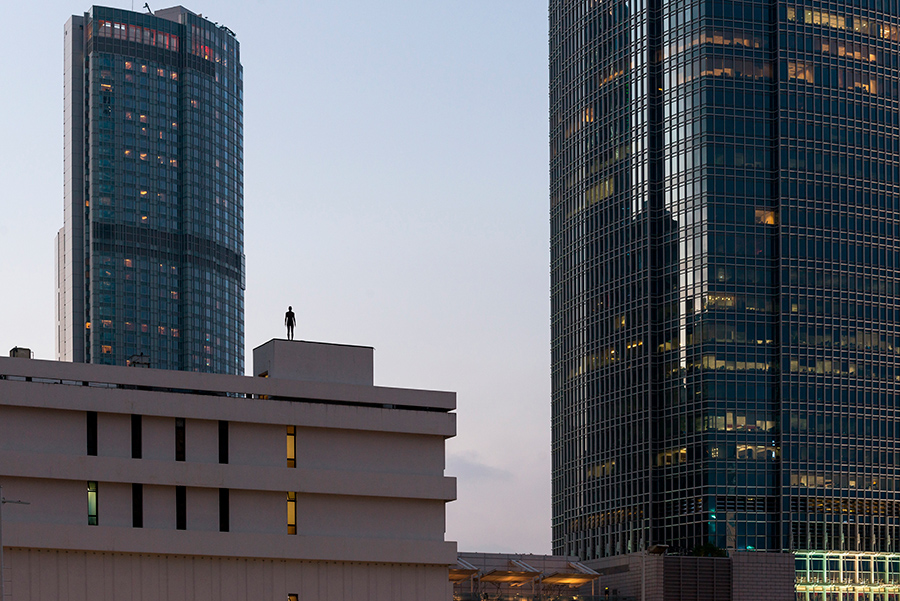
(92, 433)
(137, 505)
(179, 439)
(291, 446)
(224, 510)
(181, 508)
(223, 441)
(92, 503)
(292, 513)
(137, 443)
(293, 597)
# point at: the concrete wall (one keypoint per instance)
(743, 576)
(762, 576)
(39, 575)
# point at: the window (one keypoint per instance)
(181, 507)
(136, 437)
(137, 505)
(224, 510)
(92, 433)
(92, 503)
(292, 513)
(223, 443)
(291, 446)
(179, 439)
(293, 597)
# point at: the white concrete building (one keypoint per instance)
(310, 483)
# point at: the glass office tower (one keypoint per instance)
(725, 229)
(150, 259)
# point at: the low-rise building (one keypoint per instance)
(309, 483)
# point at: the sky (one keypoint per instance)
(395, 194)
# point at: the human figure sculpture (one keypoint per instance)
(290, 321)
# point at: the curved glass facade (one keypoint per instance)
(151, 255)
(725, 220)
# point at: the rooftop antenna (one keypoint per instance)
(147, 6)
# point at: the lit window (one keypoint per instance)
(129, 115)
(174, 332)
(144, 69)
(107, 323)
(173, 162)
(291, 446)
(129, 263)
(765, 217)
(194, 103)
(143, 193)
(161, 330)
(173, 74)
(143, 156)
(129, 153)
(106, 349)
(293, 597)
(92, 504)
(161, 72)
(292, 513)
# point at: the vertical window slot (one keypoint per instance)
(179, 439)
(93, 518)
(92, 433)
(137, 438)
(291, 446)
(181, 508)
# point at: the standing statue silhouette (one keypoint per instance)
(290, 321)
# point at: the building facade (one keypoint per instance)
(725, 220)
(309, 483)
(150, 258)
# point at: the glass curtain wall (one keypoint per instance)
(724, 290)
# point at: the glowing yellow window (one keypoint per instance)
(106, 349)
(291, 446)
(292, 513)
(765, 217)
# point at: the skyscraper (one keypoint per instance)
(725, 226)
(150, 259)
